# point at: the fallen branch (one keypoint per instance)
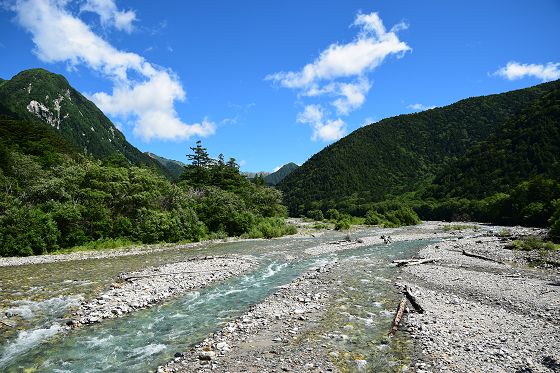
(161, 274)
(472, 255)
(412, 262)
(398, 316)
(8, 323)
(412, 299)
(396, 261)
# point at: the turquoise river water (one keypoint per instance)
(40, 297)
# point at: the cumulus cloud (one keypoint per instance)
(323, 128)
(110, 15)
(353, 96)
(340, 73)
(367, 51)
(515, 70)
(419, 107)
(147, 100)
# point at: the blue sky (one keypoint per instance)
(270, 82)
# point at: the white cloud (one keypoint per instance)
(372, 45)
(340, 74)
(311, 114)
(276, 168)
(109, 14)
(515, 70)
(323, 128)
(419, 107)
(146, 101)
(331, 130)
(353, 96)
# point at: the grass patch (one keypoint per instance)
(103, 244)
(534, 243)
(459, 227)
(270, 228)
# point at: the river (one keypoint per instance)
(40, 298)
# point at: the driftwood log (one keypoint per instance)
(8, 323)
(482, 257)
(398, 316)
(412, 262)
(128, 278)
(412, 299)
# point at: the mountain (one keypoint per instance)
(277, 176)
(399, 154)
(175, 168)
(525, 147)
(39, 97)
(252, 175)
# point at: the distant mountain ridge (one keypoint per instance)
(400, 154)
(40, 97)
(279, 175)
(175, 168)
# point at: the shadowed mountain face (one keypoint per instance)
(40, 97)
(277, 176)
(400, 154)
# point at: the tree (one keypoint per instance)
(197, 173)
(232, 163)
(200, 157)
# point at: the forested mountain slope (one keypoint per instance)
(277, 176)
(526, 146)
(40, 97)
(399, 154)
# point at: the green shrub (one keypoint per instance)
(554, 222)
(374, 218)
(27, 231)
(343, 224)
(270, 228)
(315, 215)
(533, 243)
(332, 214)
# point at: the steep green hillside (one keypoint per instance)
(276, 177)
(398, 154)
(526, 146)
(175, 168)
(40, 97)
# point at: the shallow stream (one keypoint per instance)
(39, 297)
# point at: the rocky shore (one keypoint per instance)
(137, 290)
(495, 315)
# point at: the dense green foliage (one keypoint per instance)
(46, 206)
(400, 154)
(277, 176)
(526, 146)
(513, 177)
(78, 121)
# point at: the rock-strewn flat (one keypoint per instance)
(484, 316)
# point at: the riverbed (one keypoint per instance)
(350, 328)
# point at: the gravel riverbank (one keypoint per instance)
(138, 290)
(481, 315)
